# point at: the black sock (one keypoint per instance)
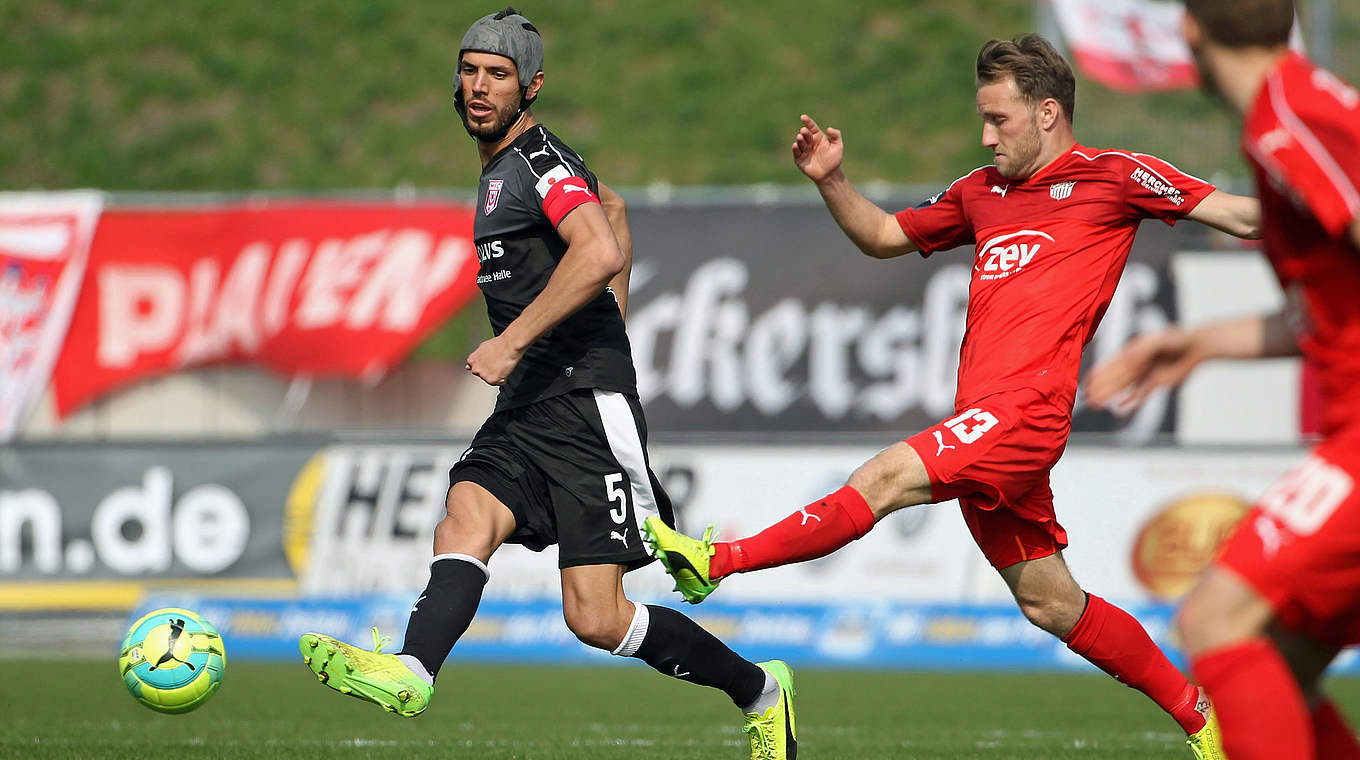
(445, 610)
(681, 648)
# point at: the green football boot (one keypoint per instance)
(371, 676)
(774, 735)
(685, 558)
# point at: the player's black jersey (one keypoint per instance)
(518, 248)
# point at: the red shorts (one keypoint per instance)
(994, 456)
(1299, 547)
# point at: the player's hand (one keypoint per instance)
(493, 361)
(1145, 364)
(816, 153)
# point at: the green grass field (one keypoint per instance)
(69, 710)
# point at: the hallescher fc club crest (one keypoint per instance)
(1061, 190)
(493, 194)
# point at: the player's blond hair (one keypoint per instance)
(1039, 70)
(1244, 23)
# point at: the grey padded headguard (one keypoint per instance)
(509, 34)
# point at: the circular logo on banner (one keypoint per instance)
(299, 512)
(1182, 538)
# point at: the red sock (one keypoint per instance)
(1335, 740)
(1258, 702)
(814, 531)
(1116, 643)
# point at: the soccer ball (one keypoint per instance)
(172, 660)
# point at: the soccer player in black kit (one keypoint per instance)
(562, 458)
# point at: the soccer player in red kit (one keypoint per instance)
(1051, 223)
(1283, 596)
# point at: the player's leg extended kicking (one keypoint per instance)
(596, 611)
(993, 463)
(476, 524)
(585, 506)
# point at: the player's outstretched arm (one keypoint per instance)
(818, 154)
(1237, 215)
(1163, 359)
(592, 260)
(616, 211)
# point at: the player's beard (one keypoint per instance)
(496, 131)
(1024, 152)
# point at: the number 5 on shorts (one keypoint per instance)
(980, 421)
(611, 485)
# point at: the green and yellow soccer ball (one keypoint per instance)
(172, 660)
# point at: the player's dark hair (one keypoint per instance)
(1039, 70)
(1244, 23)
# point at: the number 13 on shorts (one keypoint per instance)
(970, 425)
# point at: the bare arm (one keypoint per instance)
(616, 211)
(1237, 215)
(1164, 359)
(1355, 233)
(818, 154)
(592, 260)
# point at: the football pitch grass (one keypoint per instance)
(80, 710)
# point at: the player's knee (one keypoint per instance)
(472, 518)
(1204, 623)
(1057, 616)
(598, 628)
(1220, 613)
(892, 480)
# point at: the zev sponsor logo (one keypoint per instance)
(1005, 255)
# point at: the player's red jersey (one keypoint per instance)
(1049, 251)
(1302, 137)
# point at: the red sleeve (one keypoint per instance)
(940, 223)
(1320, 165)
(1153, 188)
(560, 191)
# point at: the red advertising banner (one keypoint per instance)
(1128, 45)
(1133, 45)
(305, 288)
(44, 242)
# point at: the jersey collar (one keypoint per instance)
(1062, 158)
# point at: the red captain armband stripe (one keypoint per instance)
(565, 195)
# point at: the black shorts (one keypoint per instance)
(573, 469)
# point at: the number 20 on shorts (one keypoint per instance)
(970, 425)
(1307, 496)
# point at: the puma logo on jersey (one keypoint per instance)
(1004, 255)
(939, 438)
(620, 537)
(807, 516)
(574, 189)
(538, 153)
(1274, 140)
(999, 190)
